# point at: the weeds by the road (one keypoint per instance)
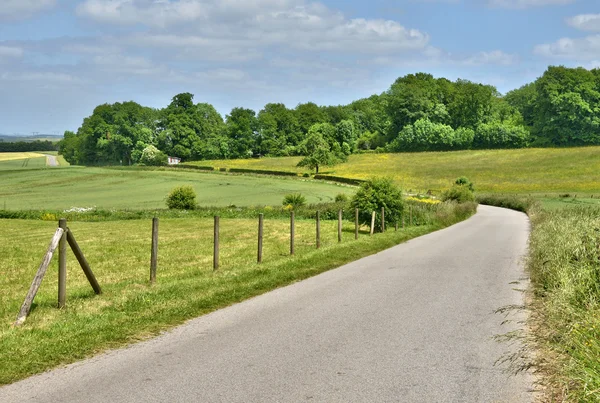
(564, 264)
(564, 326)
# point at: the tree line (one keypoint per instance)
(27, 146)
(417, 113)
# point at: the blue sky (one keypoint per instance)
(61, 58)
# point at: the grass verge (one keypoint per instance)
(129, 308)
(564, 266)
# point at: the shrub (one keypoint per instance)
(458, 193)
(500, 135)
(508, 201)
(153, 156)
(464, 181)
(424, 135)
(341, 198)
(375, 194)
(182, 198)
(295, 200)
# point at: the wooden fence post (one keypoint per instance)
(396, 226)
(85, 266)
(318, 229)
(216, 245)
(292, 232)
(340, 226)
(356, 223)
(37, 280)
(383, 219)
(154, 251)
(260, 237)
(372, 223)
(62, 265)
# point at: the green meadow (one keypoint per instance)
(112, 188)
(539, 171)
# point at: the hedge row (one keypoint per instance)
(262, 172)
(349, 181)
(201, 168)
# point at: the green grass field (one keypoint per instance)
(536, 171)
(130, 309)
(63, 188)
(22, 164)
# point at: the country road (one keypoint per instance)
(414, 323)
(51, 160)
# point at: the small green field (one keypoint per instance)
(20, 161)
(106, 188)
(523, 171)
(27, 163)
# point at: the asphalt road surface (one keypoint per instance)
(414, 323)
(51, 161)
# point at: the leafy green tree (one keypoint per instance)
(242, 131)
(317, 150)
(424, 135)
(336, 114)
(346, 134)
(567, 111)
(211, 134)
(153, 156)
(69, 147)
(470, 104)
(309, 114)
(524, 100)
(180, 126)
(498, 135)
(411, 98)
(278, 130)
(369, 115)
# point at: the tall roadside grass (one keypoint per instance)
(513, 202)
(564, 264)
(564, 326)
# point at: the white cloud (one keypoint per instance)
(20, 9)
(10, 52)
(527, 3)
(39, 76)
(579, 49)
(586, 22)
(496, 57)
(133, 65)
(254, 24)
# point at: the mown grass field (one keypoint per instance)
(536, 171)
(130, 308)
(21, 161)
(64, 188)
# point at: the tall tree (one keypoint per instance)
(242, 131)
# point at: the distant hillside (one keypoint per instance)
(42, 137)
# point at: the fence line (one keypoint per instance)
(64, 236)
